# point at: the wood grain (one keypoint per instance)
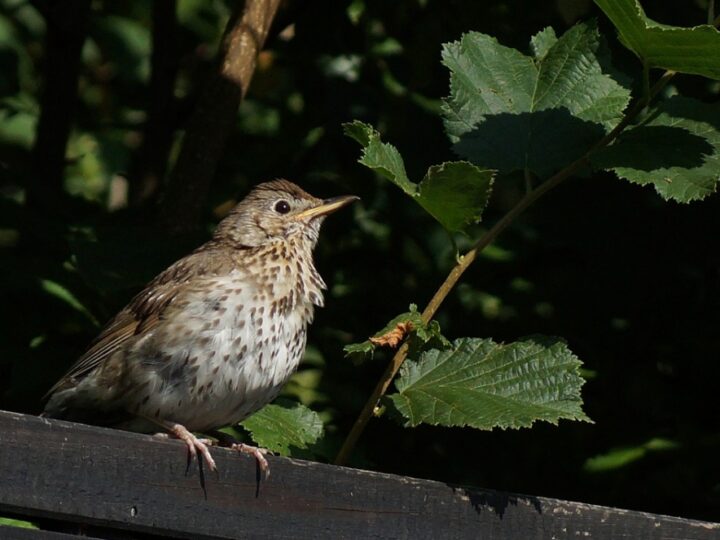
(125, 481)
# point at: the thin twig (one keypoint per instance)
(466, 260)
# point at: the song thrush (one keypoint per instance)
(213, 338)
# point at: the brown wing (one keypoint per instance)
(143, 313)
(146, 310)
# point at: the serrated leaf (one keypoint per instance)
(676, 149)
(509, 111)
(454, 193)
(687, 50)
(483, 384)
(381, 157)
(284, 426)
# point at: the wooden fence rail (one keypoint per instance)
(103, 483)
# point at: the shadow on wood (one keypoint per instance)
(113, 484)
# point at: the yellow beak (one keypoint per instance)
(328, 206)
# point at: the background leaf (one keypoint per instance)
(687, 50)
(284, 427)
(482, 384)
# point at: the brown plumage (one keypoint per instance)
(214, 337)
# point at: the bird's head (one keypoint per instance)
(275, 211)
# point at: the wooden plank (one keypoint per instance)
(121, 480)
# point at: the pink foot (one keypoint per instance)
(257, 453)
(194, 445)
(223, 439)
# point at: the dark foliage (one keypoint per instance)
(631, 282)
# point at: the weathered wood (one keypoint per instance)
(107, 478)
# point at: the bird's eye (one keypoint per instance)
(282, 207)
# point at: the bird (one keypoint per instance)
(214, 337)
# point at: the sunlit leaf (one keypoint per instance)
(687, 50)
(284, 426)
(509, 111)
(483, 384)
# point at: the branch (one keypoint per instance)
(214, 117)
(466, 260)
(150, 166)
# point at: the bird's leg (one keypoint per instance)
(194, 445)
(227, 441)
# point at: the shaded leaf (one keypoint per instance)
(483, 384)
(545, 111)
(456, 193)
(284, 426)
(676, 149)
(687, 50)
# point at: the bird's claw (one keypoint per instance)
(258, 453)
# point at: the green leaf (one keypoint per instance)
(381, 157)
(483, 384)
(454, 193)
(676, 149)
(62, 293)
(687, 50)
(424, 332)
(9, 522)
(617, 458)
(509, 111)
(542, 42)
(284, 427)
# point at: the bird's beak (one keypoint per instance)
(328, 206)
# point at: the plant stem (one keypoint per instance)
(466, 260)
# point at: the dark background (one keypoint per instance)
(631, 282)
